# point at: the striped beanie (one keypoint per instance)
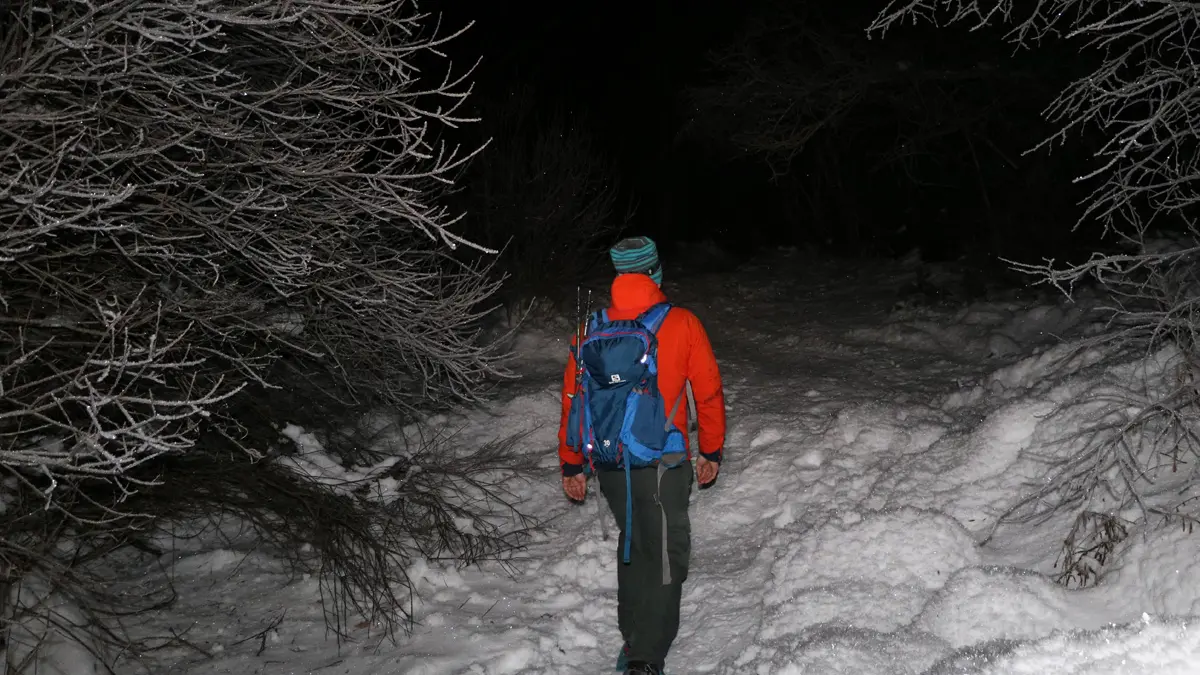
(637, 255)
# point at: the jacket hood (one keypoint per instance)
(635, 292)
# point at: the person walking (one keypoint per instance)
(642, 352)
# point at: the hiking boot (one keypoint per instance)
(642, 668)
(623, 658)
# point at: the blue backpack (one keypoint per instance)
(618, 418)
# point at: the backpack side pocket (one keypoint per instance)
(649, 421)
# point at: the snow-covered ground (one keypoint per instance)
(870, 451)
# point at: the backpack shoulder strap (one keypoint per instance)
(598, 317)
(653, 318)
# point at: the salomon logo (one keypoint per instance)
(614, 378)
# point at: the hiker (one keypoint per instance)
(642, 462)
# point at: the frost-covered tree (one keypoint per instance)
(1139, 458)
(204, 204)
(193, 192)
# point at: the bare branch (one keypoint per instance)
(194, 192)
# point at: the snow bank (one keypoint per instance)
(1156, 571)
(872, 570)
(951, 470)
(981, 605)
(989, 330)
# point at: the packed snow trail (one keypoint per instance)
(815, 427)
(869, 450)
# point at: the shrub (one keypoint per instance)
(1137, 458)
(207, 204)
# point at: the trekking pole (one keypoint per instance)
(578, 327)
(582, 312)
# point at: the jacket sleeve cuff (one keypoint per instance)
(715, 456)
(569, 470)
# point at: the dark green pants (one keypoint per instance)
(647, 608)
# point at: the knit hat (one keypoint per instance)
(637, 255)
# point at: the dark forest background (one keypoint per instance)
(759, 124)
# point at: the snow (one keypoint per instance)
(871, 449)
(312, 461)
(45, 632)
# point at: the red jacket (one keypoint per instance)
(684, 354)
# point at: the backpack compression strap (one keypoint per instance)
(652, 318)
(598, 317)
